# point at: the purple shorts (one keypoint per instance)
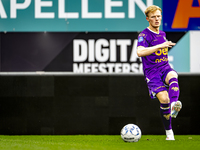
(157, 83)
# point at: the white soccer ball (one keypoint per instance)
(131, 133)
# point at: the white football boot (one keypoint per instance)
(175, 108)
(170, 138)
(170, 135)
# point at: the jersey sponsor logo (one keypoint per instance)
(161, 60)
(163, 51)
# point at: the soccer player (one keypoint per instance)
(162, 80)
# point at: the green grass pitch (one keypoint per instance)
(98, 142)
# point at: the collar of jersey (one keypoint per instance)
(153, 31)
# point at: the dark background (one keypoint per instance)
(33, 104)
(89, 104)
(53, 51)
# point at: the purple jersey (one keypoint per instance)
(157, 61)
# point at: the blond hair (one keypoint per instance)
(152, 9)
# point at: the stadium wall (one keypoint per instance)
(69, 104)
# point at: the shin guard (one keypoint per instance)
(173, 90)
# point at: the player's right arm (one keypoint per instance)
(145, 51)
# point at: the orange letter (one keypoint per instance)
(184, 12)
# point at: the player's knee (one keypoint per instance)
(165, 100)
(170, 75)
(163, 97)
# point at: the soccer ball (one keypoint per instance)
(131, 133)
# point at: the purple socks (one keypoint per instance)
(165, 109)
(173, 90)
(165, 112)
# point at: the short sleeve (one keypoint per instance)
(142, 40)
